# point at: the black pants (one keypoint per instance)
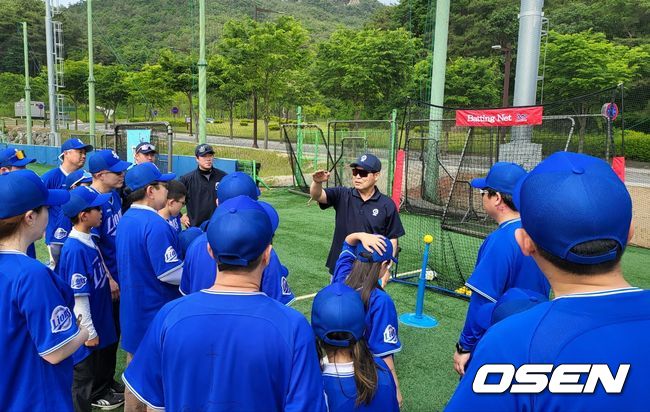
(107, 360)
(82, 382)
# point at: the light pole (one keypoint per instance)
(507, 51)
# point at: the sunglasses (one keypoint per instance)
(360, 172)
(147, 147)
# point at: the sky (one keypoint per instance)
(68, 2)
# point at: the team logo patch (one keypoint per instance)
(115, 155)
(78, 281)
(60, 233)
(286, 290)
(363, 158)
(61, 319)
(390, 334)
(375, 212)
(170, 255)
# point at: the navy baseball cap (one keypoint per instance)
(368, 162)
(513, 301)
(145, 174)
(145, 147)
(236, 184)
(502, 177)
(187, 236)
(364, 255)
(572, 198)
(75, 144)
(82, 198)
(107, 159)
(23, 190)
(77, 177)
(239, 231)
(14, 157)
(203, 149)
(338, 308)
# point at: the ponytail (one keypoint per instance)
(365, 373)
(364, 276)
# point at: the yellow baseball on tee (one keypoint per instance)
(428, 239)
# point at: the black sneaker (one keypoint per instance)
(109, 401)
(117, 387)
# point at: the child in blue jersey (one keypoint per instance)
(500, 264)
(185, 239)
(576, 221)
(230, 347)
(63, 224)
(148, 258)
(176, 193)
(354, 379)
(199, 271)
(82, 267)
(38, 332)
(73, 157)
(364, 265)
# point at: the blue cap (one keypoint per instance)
(237, 184)
(502, 177)
(365, 256)
(23, 190)
(187, 236)
(14, 157)
(75, 144)
(106, 159)
(368, 162)
(272, 213)
(145, 174)
(203, 149)
(338, 308)
(513, 301)
(572, 198)
(77, 177)
(239, 231)
(145, 147)
(82, 198)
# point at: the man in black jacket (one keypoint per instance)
(201, 184)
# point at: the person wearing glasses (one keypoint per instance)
(500, 264)
(361, 208)
(12, 159)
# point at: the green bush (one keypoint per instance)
(273, 126)
(637, 146)
(243, 123)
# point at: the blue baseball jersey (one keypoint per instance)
(146, 251)
(62, 228)
(200, 272)
(111, 215)
(80, 266)
(53, 179)
(581, 328)
(341, 389)
(31, 251)
(500, 266)
(381, 316)
(175, 223)
(248, 351)
(37, 319)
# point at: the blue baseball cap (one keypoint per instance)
(106, 159)
(239, 231)
(364, 255)
(338, 308)
(572, 198)
(23, 190)
(14, 157)
(145, 174)
(368, 162)
(75, 144)
(513, 301)
(187, 236)
(272, 213)
(82, 198)
(236, 184)
(145, 147)
(203, 149)
(502, 177)
(77, 177)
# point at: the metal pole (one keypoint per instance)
(391, 153)
(202, 74)
(506, 75)
(91, 74)
(49, 47)
(28, 90)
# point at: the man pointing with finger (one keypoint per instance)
(361, 208)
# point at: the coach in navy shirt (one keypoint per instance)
(361, 208)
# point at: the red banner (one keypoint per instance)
(508, 116)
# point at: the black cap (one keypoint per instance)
(203, 149)
(367, 162)
(145, 147)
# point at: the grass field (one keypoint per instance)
(424, 365)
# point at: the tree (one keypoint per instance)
(582, 63)
(180, 75)
(365, 67)
(15, 12)
(76, 85)
(149, 86)
(110, 89)
(227, 84)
